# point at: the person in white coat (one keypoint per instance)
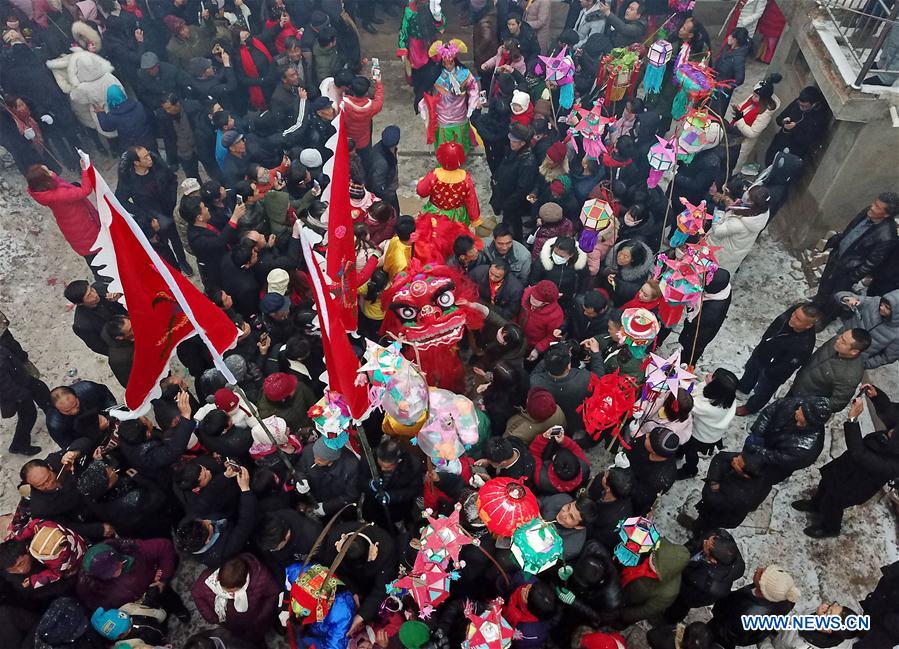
(590, 21)
(739, 227)
(713, 410)
(752, 116)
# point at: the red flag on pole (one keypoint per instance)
(164, 307)
(341, 256)
(340, 361)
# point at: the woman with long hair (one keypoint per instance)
(751, 118)
(713, 410)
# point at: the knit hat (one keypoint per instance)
(148, 60)
(545, 291)
(197, 66)
(311, 158)
(414, 634)
(520, 133)
(279, 386)
(777, 585)
(816, 410)
(357, 190)
(320, 103)
(190, 185)
(238, 366)
(48, 543)
(226, 400)
(115, 96)
(324, 452)
(595, 300)
(663, 441)
(565, 466)
(111, 624)
(541, 405)
(390, 136)
(173, 23)
(230, 138)
(520, 102)
(64, 622)
(550, 213)
(278, 281)
(557, 152)
(274, 303)
(93, 481)
(765, 88)
(102, 561)
(278, 428)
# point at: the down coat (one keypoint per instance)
(884, 332)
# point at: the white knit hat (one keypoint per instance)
(777, 585)
(520, 102)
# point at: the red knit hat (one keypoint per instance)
(603, 641)
(557, 152)
(541, 405)
(451, 155)
(279, 386)
(545, 291)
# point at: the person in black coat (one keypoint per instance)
(694, 180)
(157, 79)
(493, 127)
(639, 222)
(153, 452)
(882, 604)
(498, 288)
(591, 590)
(611, 491)
(589, 318)
(775, 594)
(703, 321)
(652, 458)
(94, 307)
(382, 168)
(886, 275)
(562, 262)
(730, 67)
(284, 537)
(715, 564)
(396, 487)
(239, 280)
(20, 391)
(514, 26)
(803, 125)
(788, 435)
(857, 251)
(78, 412)
(209, 245)
(735, 486)
(204, 490)
(858, 474)
(786, 345)
(220, 436)
(515, 177)
(178, 121)
(212, 542)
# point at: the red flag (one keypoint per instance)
(340, 361)
(164, 307)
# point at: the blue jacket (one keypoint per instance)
(130, 119)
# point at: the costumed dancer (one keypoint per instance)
(449, 188)
(417, 33)
(455, 97)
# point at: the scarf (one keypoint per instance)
(723, 294)
(257, 98)
(749, 110)
(642, 571)
(222, 596)
(24, 122)
(516, 611)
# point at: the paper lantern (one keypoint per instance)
(596, 216)
(428, 583)
(312, 594)
(489, 630)
(591, 127)
(443, 537)
(639, 329)
(638, 536)
(560, 70)
(661, 158)
(619, 71)
(609, 398)
(382, 363)
(690, 222)
(666, 374)
(696, 81)
(536, 546)
(332, 418)
(406, 396)
(451, 426)
(505, 504)
(657, 58)
(682, 280)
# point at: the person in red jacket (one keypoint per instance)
(560, 465)
(76, 217)
(541, 316)
(241, 596)
(359, 110)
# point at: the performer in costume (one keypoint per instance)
(454, 98)
(417, 33)
(449, 188)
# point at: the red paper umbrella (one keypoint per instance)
(505, 504)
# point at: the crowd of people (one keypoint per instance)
(299, 536)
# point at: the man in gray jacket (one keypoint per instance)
(879, 316)
(503, 245)
(567, 384)
(835, 369)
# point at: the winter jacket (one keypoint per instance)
(210, 247)
(645, 598)
(884, 347)
(132, 123)
(149, 556)
(330, 633)
(360, 111)
(156, 455)
(781, 351)
(90, 76)
(604, 597)
(383, 176)
(589, 21)
(710, 422)
(778, 442)
(864, 255)
(808, 133)
(65, 429)
(573, 540)
(333, 486)
(15, 379)
(508, 299)
(538, 14)
(221, 86)
(152, 195)
(241, 284)
(518, 258)
(538, 324)
(827, 375)
(169, 80)
(625, 32)
(735, 235)
(294, 411)
(402, 487)
(135, 506)
(233, 535)
(262, 593)
(75, 215)
(736, 497)
(546, 482)
(731, 66)
(303, 532)
(727, 612)
(693, 181)
(120, 357)
(197, 44)
(656, 478)
(570, 390)
(704, 582)
(653, 419)
(547, 231)
(514, 178)
(88, 322)
(523, 427)
(571, 277)
(628, 279)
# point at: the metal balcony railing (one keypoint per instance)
(869, 34)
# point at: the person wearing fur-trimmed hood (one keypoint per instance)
(563, 263)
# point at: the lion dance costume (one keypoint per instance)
(423, 309)
(449, 188)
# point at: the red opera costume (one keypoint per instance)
(449, 188)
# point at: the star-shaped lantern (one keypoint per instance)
(504, 504)
(667, 374)
(683, 280)
(443, 537)
(610, 397)
(489, 630)
(591, 127)
(638, 536)
(690, 222)
(536, 546)
(428, 583)
(559, 68)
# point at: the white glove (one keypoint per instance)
(28, 133)
(303, 486)
(319, 509)
(476, 481)
(622, 461)
(283, 616)
(46, 119)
